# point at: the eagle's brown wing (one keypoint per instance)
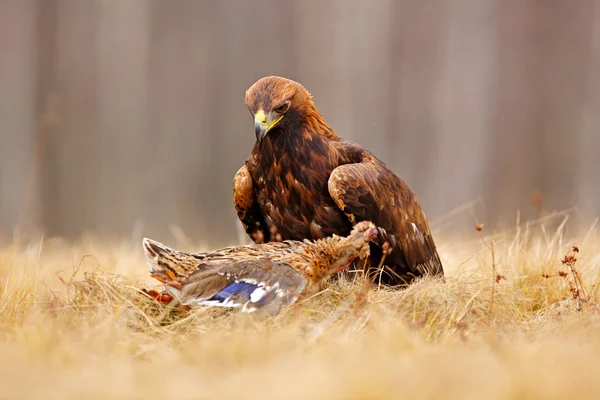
(244, 200)
(370, 191)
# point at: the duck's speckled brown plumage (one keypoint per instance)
(297, 267)
(304, 182)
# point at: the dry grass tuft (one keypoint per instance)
(516, 317)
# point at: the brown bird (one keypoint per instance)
(303, 181)
(260, 276)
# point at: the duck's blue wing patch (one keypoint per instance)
(249, 285)
(238, 289)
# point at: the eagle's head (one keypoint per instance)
(277, 102)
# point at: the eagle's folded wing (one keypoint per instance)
(369, 191)
(247, 208)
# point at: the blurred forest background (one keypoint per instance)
(121, 116)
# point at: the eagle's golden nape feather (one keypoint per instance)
(308, 183)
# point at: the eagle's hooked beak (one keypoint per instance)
(263, 123)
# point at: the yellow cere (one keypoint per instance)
(261, 118)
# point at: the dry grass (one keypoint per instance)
(495, 329)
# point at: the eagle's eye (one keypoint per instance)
(282, 108)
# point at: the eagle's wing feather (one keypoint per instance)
(244, 200)
(248, 284)
(370, 191)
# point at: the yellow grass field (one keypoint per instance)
(74, 325)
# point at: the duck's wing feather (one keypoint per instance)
(248, 284)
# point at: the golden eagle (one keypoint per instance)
(303, 181)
